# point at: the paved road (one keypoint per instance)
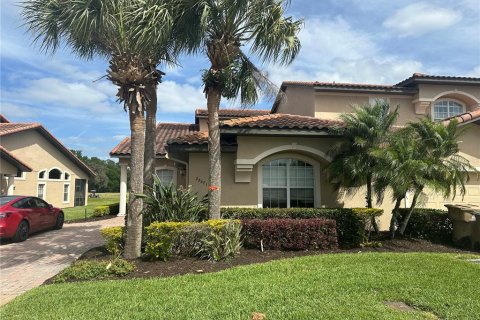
(26, 265)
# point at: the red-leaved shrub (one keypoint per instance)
(290, 234)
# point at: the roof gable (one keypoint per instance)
(13, 128)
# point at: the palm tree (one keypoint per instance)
(115, 30)
(220, 28)
(366, 128)
(423, 155)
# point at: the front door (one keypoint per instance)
(79, 192)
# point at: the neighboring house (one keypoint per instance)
(277, 158)
(34, 162)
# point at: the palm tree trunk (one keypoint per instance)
(150, 136)
(393, 221)
(405, 220)
(133, 238)
(214, 155)
(370, 203)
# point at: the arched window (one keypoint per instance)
(41, 174)
(55, 174)
(288, 183)
(443, 109)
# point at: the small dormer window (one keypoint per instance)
(443, 109)
(55, 174)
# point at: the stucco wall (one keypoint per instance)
(181, 174)
(7, 168)
(36, 151)
(298, 100)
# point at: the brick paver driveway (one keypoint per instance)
(26, 265)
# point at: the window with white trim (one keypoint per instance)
(67, 176)
(41, 174)
(41, 191)
(166, 176)
(66, 192)
(55, 174)
(288, 183)
(443, 109)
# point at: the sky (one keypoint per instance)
(361, 41)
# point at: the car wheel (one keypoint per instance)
(60, 220)
(22, 232)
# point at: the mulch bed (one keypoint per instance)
(187, 265)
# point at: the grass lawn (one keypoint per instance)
(326, 286)
(76, 213)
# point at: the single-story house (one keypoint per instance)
(33, 162)
(276, 158)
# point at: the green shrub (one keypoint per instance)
(164, 239)
(224, 244)
(114, 241)
(351, 223)
(429, 224)
(106, 210)
(94, 270)
(101, 211)
(169, 203)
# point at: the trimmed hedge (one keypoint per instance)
(114, 240)
(106, 210)
(429, 224)
(290, 234)
(350, 222)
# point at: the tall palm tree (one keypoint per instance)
(220, 28)
(423, 155)
(366, 128)
(114, 30)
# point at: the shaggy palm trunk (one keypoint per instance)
(370, 202)
(214, 155)
(133, 238)
(150, 137)
(405, 220)
(393, 221)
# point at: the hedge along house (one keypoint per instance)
(277, 158)
(33, 162)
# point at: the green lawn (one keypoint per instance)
(328, 286)
(79, 212)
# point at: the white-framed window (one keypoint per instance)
(447, 108)
(167, 175)
(54, 174)
(21, 175)
(67, 176)
(288, 183)
(42, 174)
(42, 191)
(66, 192)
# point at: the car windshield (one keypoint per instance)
(6, 199)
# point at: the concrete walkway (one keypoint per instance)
(26, 265)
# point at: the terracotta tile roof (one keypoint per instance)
(281, 121)
(200, 137)
(232, 113)
(421, 76)
(337, 85)
(466, 117)
(10, 158)
(165, 132)
(11, 128)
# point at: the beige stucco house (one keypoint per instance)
(34, 162)
(277, 157)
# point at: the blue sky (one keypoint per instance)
(366, 41)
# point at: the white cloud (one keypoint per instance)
(176, 97)
(333, 51)
(421, 18)
(475, 72)
(11, 110)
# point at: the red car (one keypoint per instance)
(23, 215)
